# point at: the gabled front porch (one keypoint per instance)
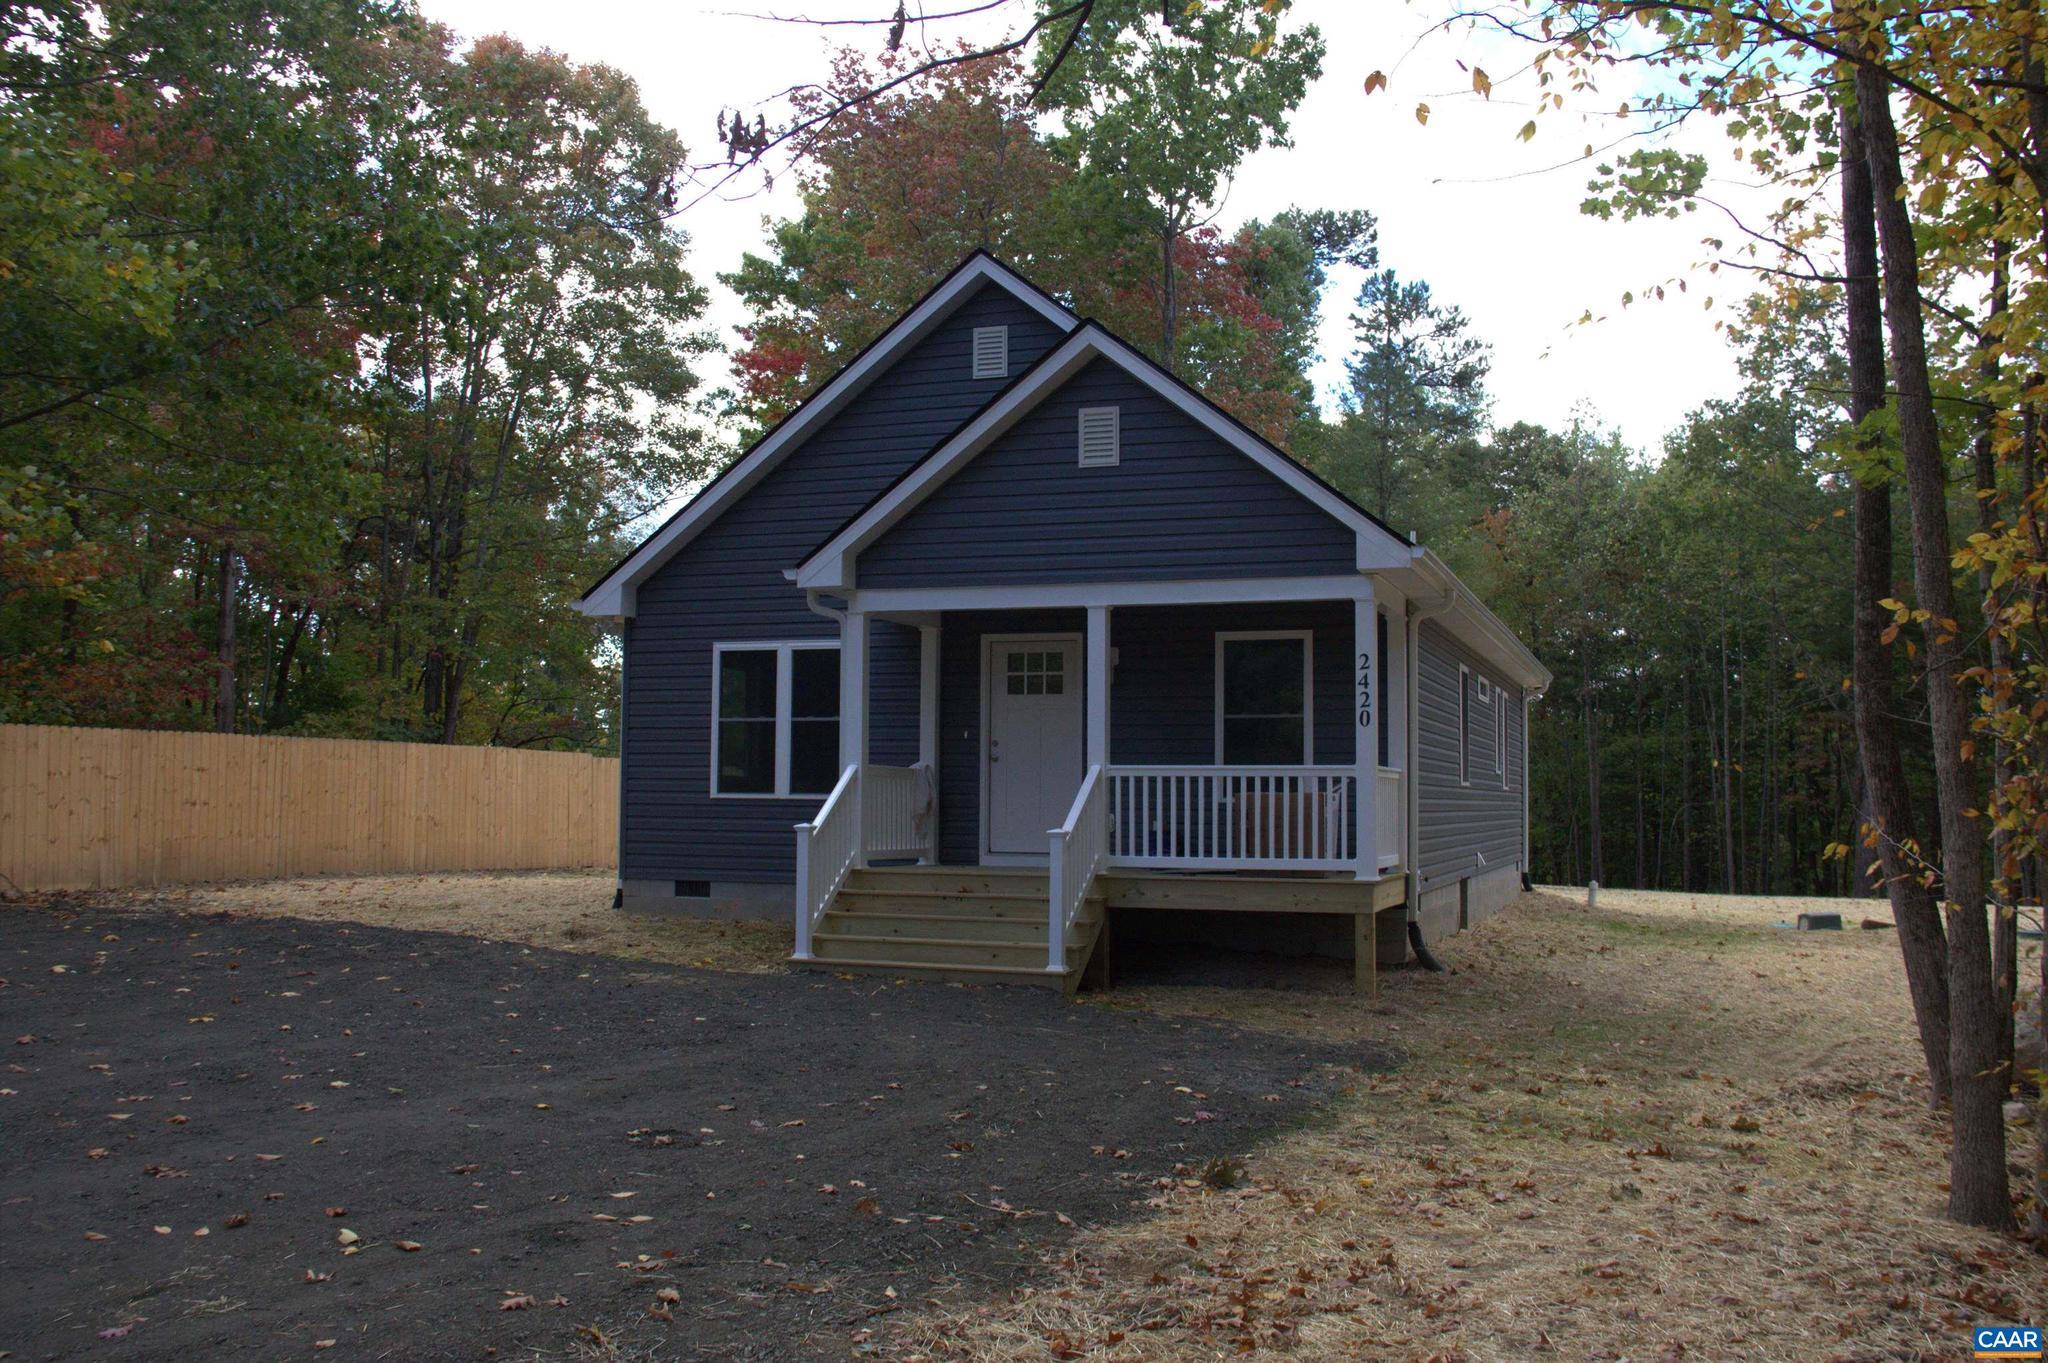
(1210, 746)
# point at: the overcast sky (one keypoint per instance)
(1462, 202)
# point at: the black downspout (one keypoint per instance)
(1421, 949)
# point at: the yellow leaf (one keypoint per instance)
(1482, 82)
(1422, 113)
(1528, 130)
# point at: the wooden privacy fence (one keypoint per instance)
(104, 808)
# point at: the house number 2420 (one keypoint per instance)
(1365, 690)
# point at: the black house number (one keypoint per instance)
(1365, 690)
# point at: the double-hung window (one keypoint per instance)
(775, 719)
(1263, 694)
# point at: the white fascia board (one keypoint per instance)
(831, 565)
(898, 601)
(613, 597)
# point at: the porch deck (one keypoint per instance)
(991, 924)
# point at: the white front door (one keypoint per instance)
(1032, 756)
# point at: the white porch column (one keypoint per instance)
(853, 690)
(1097, 687)
(853, 715)
(1364, 641)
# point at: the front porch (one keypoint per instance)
(1072, 757)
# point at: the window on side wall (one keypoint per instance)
(1464, 725)
(1500, 735)
(1263, 692)
(775, 719)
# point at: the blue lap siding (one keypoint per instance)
(727, 585)
(1180, 503)
(1465, 826)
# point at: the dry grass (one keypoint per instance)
(566, 910)
(1662, 1130)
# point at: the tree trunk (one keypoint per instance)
(1169, 297)
(1594, 868)
(1728, 885)
(224, 642)
(2005, 939)
(282, 684)
(1978, 1185)
(1922, 942)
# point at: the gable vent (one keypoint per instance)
(991, 352)
(1100, 444)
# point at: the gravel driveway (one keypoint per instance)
(260, 1139)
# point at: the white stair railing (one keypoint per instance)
(1079, 848)
(1233, 818)
(891, 801)
(826, 849)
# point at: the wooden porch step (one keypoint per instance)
(1014, 955)
(890, 899)
(970, 880)
(1040, 978)
(958, 927)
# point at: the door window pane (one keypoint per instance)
(1265, 702)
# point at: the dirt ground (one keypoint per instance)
(227, 1138)
(567, 910)
(1666, 1129)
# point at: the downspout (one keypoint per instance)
(1411, 837)
(815, 600)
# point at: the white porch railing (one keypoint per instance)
(1078, 849)
(826, 849)
(1233, 818)
(872, 812)
(893, 811)
(1390, 812)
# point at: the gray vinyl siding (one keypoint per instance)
(1463, 828)
(1180, 504)
(727, 585)
(1162, 700)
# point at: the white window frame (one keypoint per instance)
(784, 692)
(1465, 700)
(1308, 683)
(1500, 736)
(1116, 437)
(1002, 340)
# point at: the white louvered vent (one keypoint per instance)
(991, 352)
(1100, 443)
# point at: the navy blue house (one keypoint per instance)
(1006, 635)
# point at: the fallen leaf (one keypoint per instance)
(517, 1302)
(411, 1246)
(348, 1237)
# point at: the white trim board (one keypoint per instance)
(612, 597)
(831, 566)
(900, 601)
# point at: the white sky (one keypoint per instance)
(1462, 203)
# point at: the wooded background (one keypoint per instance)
(342, 357)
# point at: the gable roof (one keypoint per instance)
(612, 595)
(829, 567)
